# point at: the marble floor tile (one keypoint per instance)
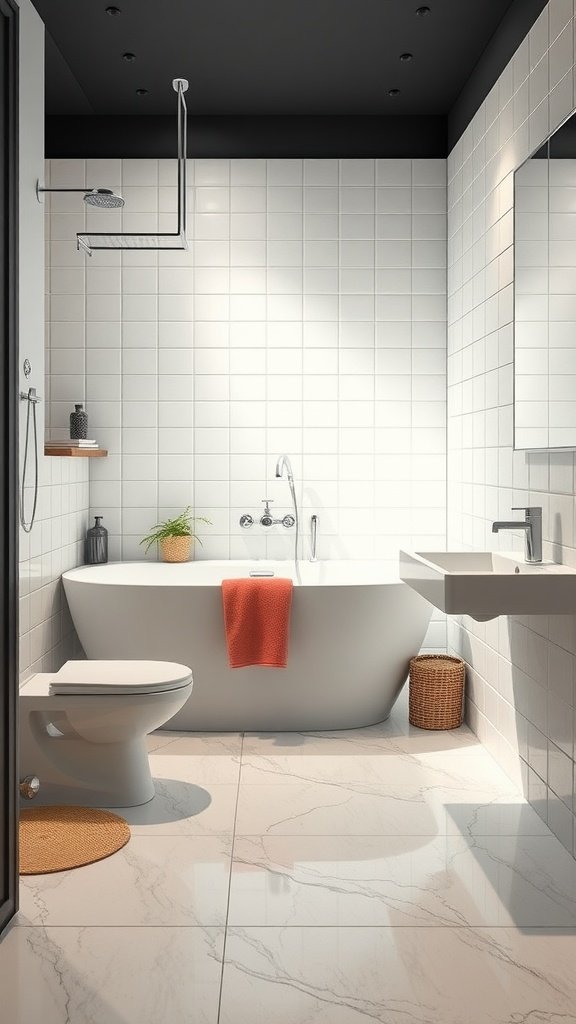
(201, 744)
(395, 734)
(331, 808)
(398, 976)
(156, 740)
(419, 741)
(154, 880)
(331, 859)
(385, 768)
(183, 807)
(110, 975)
(400, 881)
(505, 816)
(204, 764)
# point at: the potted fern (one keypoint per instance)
(175, 536)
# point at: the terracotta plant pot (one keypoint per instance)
(176, 549)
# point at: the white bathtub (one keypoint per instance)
(352, 633)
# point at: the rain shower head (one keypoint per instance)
(103, 199)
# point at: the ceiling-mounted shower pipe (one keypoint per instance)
(88, 241)
(101, 198)
(104, 198)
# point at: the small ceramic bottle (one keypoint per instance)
(97, 543)
(78, 423)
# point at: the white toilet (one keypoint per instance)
(83, 729)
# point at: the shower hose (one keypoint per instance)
(31, 398)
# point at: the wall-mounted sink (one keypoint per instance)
(484, 584)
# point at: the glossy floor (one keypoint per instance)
(381, 875)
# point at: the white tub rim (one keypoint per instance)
(331, 572)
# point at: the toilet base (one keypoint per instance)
(91, 749)
(111, 774)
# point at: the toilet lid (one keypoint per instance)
(122, 677)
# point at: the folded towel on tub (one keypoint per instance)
(257, 621)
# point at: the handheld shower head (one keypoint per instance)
(103, 199)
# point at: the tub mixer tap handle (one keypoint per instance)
(266, 519)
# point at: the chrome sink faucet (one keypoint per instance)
(532, 525)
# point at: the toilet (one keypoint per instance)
(83, 729)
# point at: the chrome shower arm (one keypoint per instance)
(43, 188)
(89, 191)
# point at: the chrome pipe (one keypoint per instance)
(180, 86)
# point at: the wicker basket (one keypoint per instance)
(436, 691)
(176, 549)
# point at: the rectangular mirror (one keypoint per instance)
(545, 295)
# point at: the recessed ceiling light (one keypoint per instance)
(113, 11)
(393, 92)
(141, 92)
(422, 11)
(405, 57)
(129, 57)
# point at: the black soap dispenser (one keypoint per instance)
(78, 422)
(97, 543)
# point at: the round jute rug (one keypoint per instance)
(58, 838)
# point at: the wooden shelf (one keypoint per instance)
(75, 453)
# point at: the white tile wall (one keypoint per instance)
(309, 317)
(521, 692)
(545, 304)
(47, 637)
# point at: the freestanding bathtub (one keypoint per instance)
(353, 630)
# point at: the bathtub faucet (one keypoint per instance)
(284, 464)
(267, 519)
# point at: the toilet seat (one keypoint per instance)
(118, 677)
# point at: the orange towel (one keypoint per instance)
(256, 620)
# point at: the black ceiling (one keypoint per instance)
(306, 58)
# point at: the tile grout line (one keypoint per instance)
(230, 881)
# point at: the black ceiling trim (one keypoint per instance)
(133, 136)
(513, 28)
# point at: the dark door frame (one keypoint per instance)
(8, 462)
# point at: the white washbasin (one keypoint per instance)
(484, 584)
